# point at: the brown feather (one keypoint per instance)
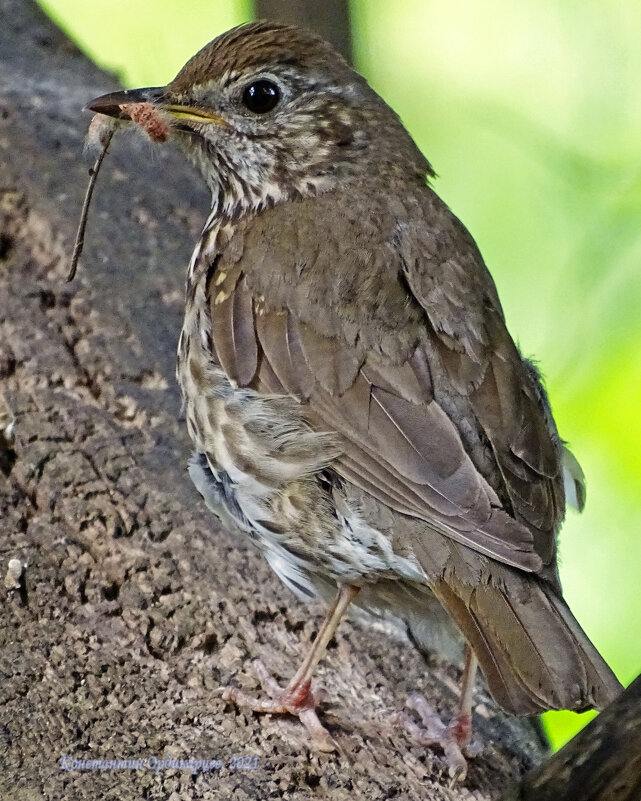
(534, 654)
(233, 334)
(280, 340)
(334, 365)
(410, 380)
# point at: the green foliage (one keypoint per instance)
(531, 115)
(145, 42)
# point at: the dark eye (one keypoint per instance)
(261, 96)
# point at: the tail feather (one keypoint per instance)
(534, 654)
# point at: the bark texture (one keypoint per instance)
(132, 607)
(602, 763)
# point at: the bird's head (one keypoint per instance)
(268, 111)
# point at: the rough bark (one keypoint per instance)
(329, 18)
(133, 607)
(602, 763)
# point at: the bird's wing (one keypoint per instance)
(391, 334)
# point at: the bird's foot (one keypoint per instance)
(455, 738)
(296, 699)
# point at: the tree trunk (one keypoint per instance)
(329, 18)
(127, 607)
(602, 763)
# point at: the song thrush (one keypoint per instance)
(357, 405)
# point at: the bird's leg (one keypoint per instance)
(454, 738)
(297, 698)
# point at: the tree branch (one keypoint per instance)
(329, 19)
(602, 763)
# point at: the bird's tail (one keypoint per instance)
(534, 654)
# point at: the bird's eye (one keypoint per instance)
(261, 96)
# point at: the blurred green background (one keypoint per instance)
(530, 113)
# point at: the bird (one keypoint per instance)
(358, 409)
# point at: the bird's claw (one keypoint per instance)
(297, 700)
(455, 738)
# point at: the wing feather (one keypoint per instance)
(233, 331)
(391, 334)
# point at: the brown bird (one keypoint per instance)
(357, 405)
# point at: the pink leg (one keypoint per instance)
(455, 737)
(297, 698)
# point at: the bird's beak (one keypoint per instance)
(111, 105)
